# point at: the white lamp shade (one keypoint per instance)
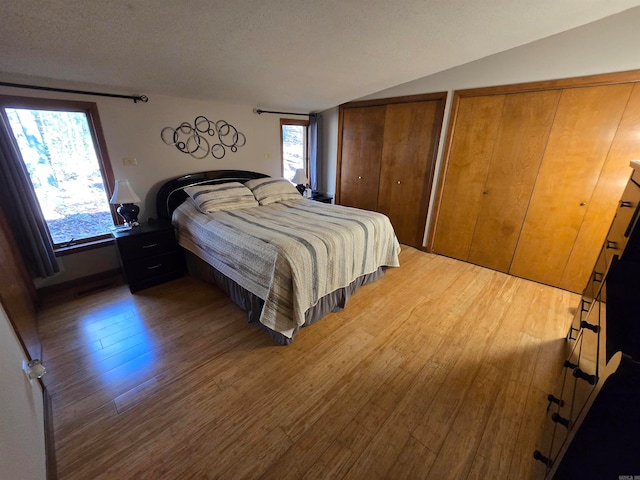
(123, 193)
(300, 178)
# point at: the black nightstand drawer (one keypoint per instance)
(152, 266)
(155, 243)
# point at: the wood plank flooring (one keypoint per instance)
(439, 370)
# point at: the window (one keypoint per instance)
(60, 144)
(294, 146)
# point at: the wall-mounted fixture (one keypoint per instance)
(193, 139)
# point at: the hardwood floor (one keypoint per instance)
(438, 370)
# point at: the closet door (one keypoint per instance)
(521, 139)
(474, 136)
(583, 130)
(362, 138)
(603, 204)
(410, 140)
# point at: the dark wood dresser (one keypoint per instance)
(149, 254)
(592, 428)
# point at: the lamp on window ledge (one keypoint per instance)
(126, 197)
(301, 180)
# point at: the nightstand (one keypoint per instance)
(321, 197)
(149, 254)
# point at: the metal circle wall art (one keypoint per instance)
(199, 139)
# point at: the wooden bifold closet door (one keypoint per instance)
(498, 146)
(362, 137)
(387, 157)
(532, 179)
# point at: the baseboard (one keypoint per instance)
(85, 285)
(49, 438)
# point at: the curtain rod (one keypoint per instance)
(135, 98)
(260, 112)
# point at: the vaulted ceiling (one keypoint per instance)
(294, 54)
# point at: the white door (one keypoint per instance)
(22, 446)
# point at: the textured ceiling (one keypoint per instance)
(294, 54)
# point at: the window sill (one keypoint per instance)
(83, 247)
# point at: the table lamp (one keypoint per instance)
(301, 180)
(124, 195)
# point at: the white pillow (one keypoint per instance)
(271, 190)
(223, 196)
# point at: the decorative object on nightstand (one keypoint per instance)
(301, 180)
(124, 195)
(149, 254)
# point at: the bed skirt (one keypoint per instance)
(252, 305)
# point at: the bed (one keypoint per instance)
(286, 260)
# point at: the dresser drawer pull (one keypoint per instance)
(554, 399)
(611, 245)
(153, 267)
(590, 379)
(589, 326)
(151, 245)
(568, 364)
(597, 276)
(541, 458)
(560, 419)
(625, 204)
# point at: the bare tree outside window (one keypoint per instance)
(60, 155)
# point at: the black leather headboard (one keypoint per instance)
(171, 193)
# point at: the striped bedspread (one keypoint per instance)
(290, 254)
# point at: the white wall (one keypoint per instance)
(608, 45)
(328, 149)
(22, 449)
(133, 130)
